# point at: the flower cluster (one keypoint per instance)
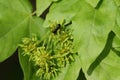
(51, 54)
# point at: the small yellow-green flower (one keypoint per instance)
(51, 54)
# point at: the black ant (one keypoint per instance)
(58, 26)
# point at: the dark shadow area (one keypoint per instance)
(99, 4)
(46, 11)
(81, 75)
(43, 15)
(68, 23)
(10, 69)
(33, 2)
(103, 54)
(116, 51)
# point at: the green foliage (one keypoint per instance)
(95, 26)
(93, 3)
